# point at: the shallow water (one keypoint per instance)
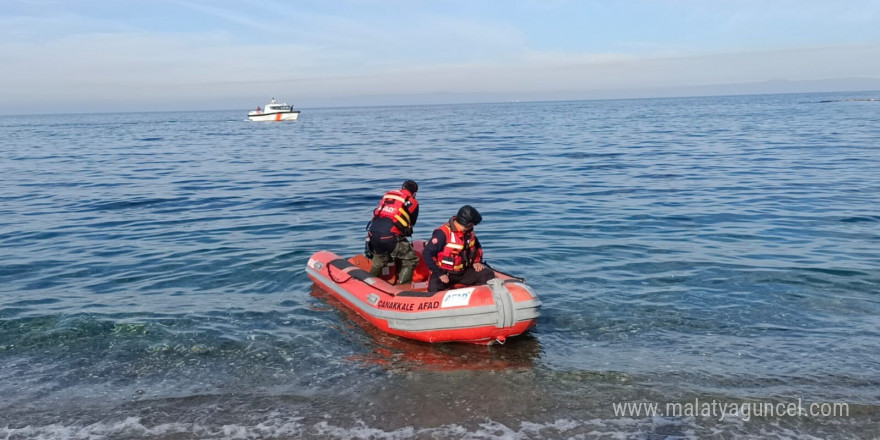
(152, 279)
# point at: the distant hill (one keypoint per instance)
(756, 88)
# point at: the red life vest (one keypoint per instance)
(398, 205)
(459, 252)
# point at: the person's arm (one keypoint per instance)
(414, 217)
(432, 248)
(478, 250)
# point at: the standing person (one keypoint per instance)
(454, 254)
(393, 221)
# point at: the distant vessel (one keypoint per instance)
(274, 112)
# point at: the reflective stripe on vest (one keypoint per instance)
(455, 256)
(397, 205)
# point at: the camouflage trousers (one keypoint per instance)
(403, 251)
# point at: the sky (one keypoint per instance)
(60, 56)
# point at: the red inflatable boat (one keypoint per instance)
(484, 314)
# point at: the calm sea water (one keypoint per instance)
(152, 279)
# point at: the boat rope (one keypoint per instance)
(331, 268)
(515, 278)
(384, 291)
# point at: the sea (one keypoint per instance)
(709, 268)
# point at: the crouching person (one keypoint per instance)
(393, 221)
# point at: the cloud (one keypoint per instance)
(187, 71)
(85, 55)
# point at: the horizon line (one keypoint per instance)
(526, 101)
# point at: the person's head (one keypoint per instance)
(411, 186)
(468, 217)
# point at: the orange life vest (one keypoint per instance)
(459, 252)
(398, 205)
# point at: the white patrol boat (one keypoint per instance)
(274, 112)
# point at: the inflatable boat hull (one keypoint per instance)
(483, 314)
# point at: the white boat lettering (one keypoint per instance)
(457, 297)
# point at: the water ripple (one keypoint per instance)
(717, 247)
